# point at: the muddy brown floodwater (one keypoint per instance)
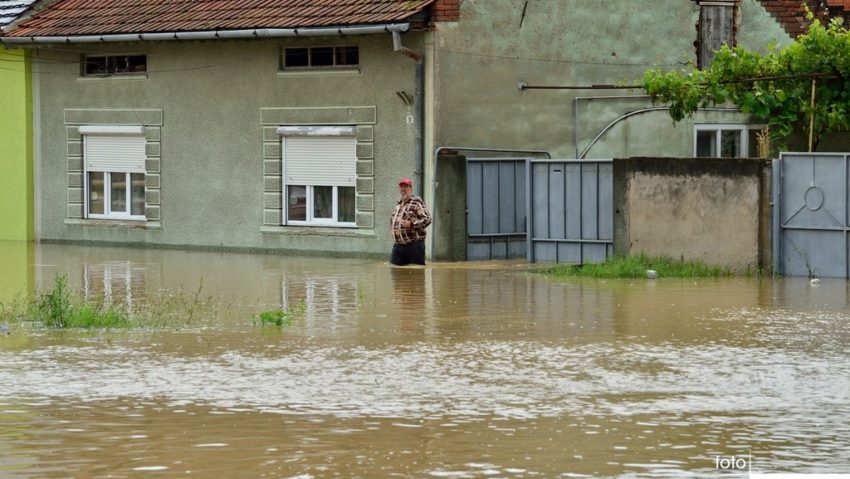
(452, 371)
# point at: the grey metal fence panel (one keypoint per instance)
(556, 201)
(519, 198)
(496, 208)
(574, 200)
(490, 195)
(589, 205)
(606, 201)
(813, 228)
(539, 200)
(572, 218)
(507, 196)
(474, 199)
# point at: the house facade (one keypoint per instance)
(284, 133)
(279, 127)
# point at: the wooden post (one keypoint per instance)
(812, 117)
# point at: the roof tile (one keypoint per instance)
(103, 17)
(11, 9)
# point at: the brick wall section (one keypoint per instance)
(792, 15)
(445, 11)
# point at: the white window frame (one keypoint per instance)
(107, 176)
(311, 221)
(718, 127)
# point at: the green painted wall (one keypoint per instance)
(480, 60)
(17, 278)
(215, 152)
(16, 185)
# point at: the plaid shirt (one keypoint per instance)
(413, 210)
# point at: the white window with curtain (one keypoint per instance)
(319, 175)
(114, 172)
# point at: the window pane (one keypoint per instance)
(95, 193)
(345, 206)
(137, 194)
(322, 56)
(95, 66)
(296, 57)
(296, 203)
(323, 202)
(706, 144)
(118, 192)
(137, 63)
(730, 144)
(347, 56)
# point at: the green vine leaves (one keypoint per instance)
(775, 88)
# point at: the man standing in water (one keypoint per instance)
(407, 224)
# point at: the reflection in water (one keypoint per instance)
(443, 371)
(115, 282)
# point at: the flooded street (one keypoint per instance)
(455, 370)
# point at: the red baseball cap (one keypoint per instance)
(405, 181)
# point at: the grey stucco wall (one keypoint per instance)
(709, 209)
(480, 59)
(220, 103)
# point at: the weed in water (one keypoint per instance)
(282, 317)
(59, 308)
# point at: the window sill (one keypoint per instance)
(319, 71)
(318, 231)
(112, 77)
(125, 224)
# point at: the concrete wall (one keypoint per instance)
(16, 192)
(449, 209)
(211, 110)
(496, 43)
(708, 209)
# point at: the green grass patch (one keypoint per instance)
(281, 317)
(60, 308)
(637, 266)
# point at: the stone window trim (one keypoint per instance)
(339, 139)
(273, 201)
(150, 122)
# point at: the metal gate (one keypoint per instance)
(496, 208)
(810, 234)
(572, 210)
(541, 210)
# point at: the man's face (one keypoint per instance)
(405, 190)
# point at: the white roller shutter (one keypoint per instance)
(115, 153)
(319, 160)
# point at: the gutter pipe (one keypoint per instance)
(434, 182)
(418, 111)
(394, 28)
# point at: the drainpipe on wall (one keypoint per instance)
(418, 117)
